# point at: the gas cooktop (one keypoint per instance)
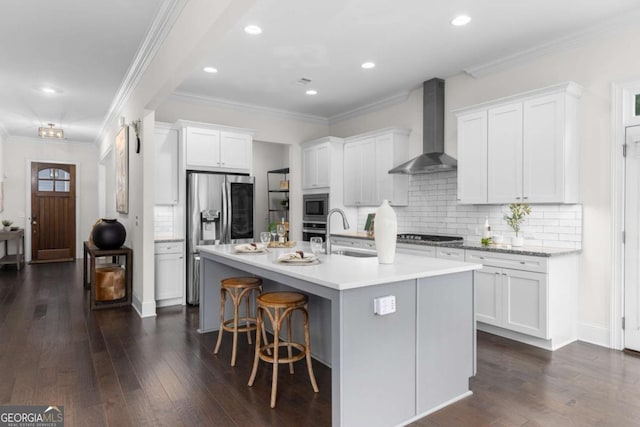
(427, 238)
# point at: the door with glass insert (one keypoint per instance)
(53, 212)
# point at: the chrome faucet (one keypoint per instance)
(345, 224)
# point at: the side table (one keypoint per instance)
(18, 257)
(91, 252)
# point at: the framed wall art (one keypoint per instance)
(122, 170)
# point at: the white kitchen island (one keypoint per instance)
(386, 370)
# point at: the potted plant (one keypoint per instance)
(7, 224)
(518, 213)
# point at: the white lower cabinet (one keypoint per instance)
(169, 273)
(527, 298)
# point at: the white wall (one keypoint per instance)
(595, 66)
(20, 150)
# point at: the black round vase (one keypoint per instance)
(108, 234)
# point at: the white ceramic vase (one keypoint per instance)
(385, 228)
(517, 241)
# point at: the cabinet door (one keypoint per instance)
(525, 302)
(166, 166)
(472, 158)
(203, 148)
(309, 167)
(352, 175)
(488, 295)
(384, 157)
(504, 169)
(169, 272)
(235, 150)
(369, 189)
(543, 168)
(323, 157)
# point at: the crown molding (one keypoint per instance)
(370, 108)
(191, 98)
(160, 27)
(578, 38)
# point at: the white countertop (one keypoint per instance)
(342, 272)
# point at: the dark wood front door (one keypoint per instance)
(53, 212)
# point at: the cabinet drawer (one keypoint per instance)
(450, 253)
(423, 250)
(352, 243)
(169, 247)
(516, 262)
(368, 244)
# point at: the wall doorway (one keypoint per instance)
(53, 212)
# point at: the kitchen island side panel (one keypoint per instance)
(445, 339)
(378, 356)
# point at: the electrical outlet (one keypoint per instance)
(384, 305)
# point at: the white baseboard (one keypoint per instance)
(146, 309)
(550, 345)
(594, 334)
(437, 408)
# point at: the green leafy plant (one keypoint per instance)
(518, 213)
(273, 226)
(486, 241)
(6, 222)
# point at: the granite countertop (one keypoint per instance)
(168, 239)
(543, 251)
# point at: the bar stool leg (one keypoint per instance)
(248, 314)
(307, 342)
(236, 312)
(223, 299)
(256, 354)
(276, 347)
(289, 340)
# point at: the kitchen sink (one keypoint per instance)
(356, 254)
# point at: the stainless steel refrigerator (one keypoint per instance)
(220, 209)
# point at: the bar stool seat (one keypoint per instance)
(238, 289)
(278, 307)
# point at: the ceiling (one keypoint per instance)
(83, 49)
(409, 40)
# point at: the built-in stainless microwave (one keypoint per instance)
(315, 207)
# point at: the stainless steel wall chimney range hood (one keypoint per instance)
(433, 158)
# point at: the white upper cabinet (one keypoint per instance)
(316, 165)
(504, 167)
(367, 161)
(531, 148)
(472, 157)
(165, 142)
(235, 150)
(203, 147)
(217, 148)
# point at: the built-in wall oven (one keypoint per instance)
(314, 216)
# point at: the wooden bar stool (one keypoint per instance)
(279, 306)
(238, 289)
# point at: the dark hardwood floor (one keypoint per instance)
(112, 368)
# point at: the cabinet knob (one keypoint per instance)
(517, 198)
(522, 262)
(526, 198)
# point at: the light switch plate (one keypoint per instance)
(384, 305)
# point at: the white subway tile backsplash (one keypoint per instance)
(433, 209)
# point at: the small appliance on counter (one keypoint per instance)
(220, 209)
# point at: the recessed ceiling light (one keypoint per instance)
(254, 30)
(311, 92)
(210, 70)
(47, 89)
(368, 65)
(460, 20)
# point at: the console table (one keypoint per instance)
(91, 252)
(18, 257)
